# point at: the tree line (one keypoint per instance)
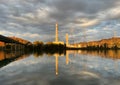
(104, 46)
(49, 47)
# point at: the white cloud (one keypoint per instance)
(88, 23)
(112, 13)
(30, 35)
(14, 24)
(34, 19)
(17, 18)
(91, 31)
(7, 33)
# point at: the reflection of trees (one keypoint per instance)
(38, 45)
(114, 54)
(7, 56)
(2, 55)
(49, 48)
(38, 53)
(53, 48)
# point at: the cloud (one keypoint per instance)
(88, 23)
(111, 14)
(38, 17)
(3, 32)
(84, 6)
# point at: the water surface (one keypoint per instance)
(72, 68)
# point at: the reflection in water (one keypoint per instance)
(114, 54)
(86, 68)
(104, 54)
(56, 60)
(2, 55)
(110, 54)
(56, 64)
(7, 56)
(67, 57)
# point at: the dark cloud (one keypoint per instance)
(38, 17)
(85, 6)
(68, 8)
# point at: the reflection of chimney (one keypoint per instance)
(67, 57)
(56, 64)
(67, 39)
(56, 33)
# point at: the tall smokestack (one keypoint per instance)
(56, 33)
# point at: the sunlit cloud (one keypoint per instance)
(88, 23)
(112, 13)
(7, 33)
(18, 18)
(35, 19)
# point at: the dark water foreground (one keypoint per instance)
(68, 68)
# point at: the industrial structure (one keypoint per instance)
(56, 36)
(11, 44)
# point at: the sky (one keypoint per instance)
(83, 20)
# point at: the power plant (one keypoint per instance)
(56, 36)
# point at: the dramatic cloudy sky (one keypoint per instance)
(81, 19)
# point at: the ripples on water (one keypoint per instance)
(71, 68)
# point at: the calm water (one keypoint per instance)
(72, 68)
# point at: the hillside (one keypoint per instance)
(107, 43)
(21, 40)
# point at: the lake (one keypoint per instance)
(74, 67)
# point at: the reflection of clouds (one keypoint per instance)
(41, 71)
(110, 54)
(83, 78)
(88, 74)
(103, 66)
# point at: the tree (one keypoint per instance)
(38, 45)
